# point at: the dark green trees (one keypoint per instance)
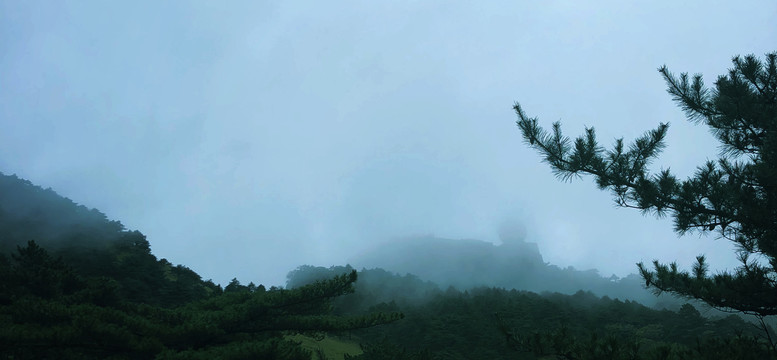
(735, 197)
(86, 288)
(48, 310)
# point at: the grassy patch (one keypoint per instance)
(334, 348)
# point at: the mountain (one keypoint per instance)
(494, 323)
(76, 285)
(514, 264)
(92, 245)
(29, 212)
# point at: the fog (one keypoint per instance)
(245, 139)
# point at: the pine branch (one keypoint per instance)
(737, 199)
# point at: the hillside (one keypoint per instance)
(76, 285)
(494, 323)
(515, 264)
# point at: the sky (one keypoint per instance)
(247, 138)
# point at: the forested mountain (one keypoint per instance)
(76, 285)
(494, 323)
(514, 264)
(92, 245)
(30, 212)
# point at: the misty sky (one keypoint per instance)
(245, 139)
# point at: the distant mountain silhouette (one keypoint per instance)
(514, 264)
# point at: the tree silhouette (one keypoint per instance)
(734, 197)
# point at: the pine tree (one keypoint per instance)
(734, 197)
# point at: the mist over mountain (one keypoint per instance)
(464, 324)
(76, 285)
(513, 264)
(108, 296)
(29, 212)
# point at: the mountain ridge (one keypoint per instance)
(513, 264)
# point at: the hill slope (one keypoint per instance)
(75, 285)
(474, 324)
(515, 264)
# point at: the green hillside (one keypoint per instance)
(75, 285)
(514, 264)
(494, 323)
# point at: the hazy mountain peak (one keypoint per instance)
(514, 264)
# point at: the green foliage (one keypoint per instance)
(28, 212)
(735, 197)
(91, 245)
(60, 311)
(329, 347)
(98, 292)
(102, 294)
(385, 350)
(376, 290)
(560, 344)
(515, 264)
(475, 324)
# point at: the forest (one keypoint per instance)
(77, 285)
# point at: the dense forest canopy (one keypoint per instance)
(81, 286)
(92, 289)
(446, 323)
